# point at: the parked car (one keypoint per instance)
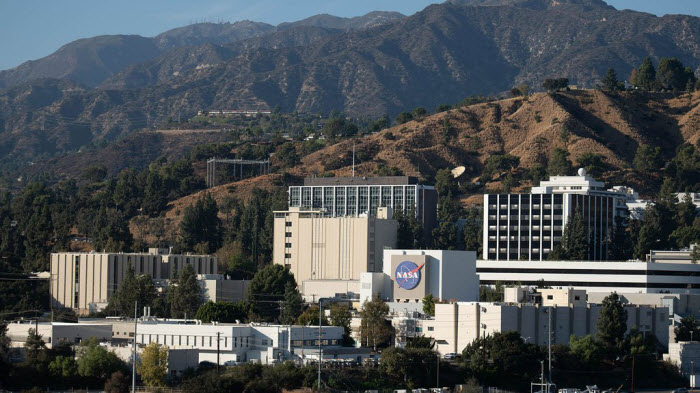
(450, 356)
(681, 390)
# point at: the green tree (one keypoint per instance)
(111, 231)
(413, 366)
(684, 168)
(340, 315)
(499, 165)
(286, 155)
(224, 312)
(409, 234)
(673, 75)
(404, 117)
(155, 196)
(153, 367)
(35, 348)
(132, 289)
(587, 350)
(555, 84)
(128, 192)
(445, 183)
(64, 368)
(574, 241)
(185, 294)
(473, 230)
(612, 323)
(374, 327)
(446, 235)
(200, 225)
(559, 164)
(429, 305)
(379, 124)
(292, 305)
(610, 81)
(95, 363)
(645, 76)
(419, 113)
(688, 329)
(267, 286)
(621, 247)
(593, 163)
(310, 317)
(238, 267)
(647, 159)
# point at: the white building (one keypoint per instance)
(622, 277)
(529, 226)
(239, 342)
(685, 355)
(457, 325)
(56, 332)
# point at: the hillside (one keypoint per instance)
(529, 128)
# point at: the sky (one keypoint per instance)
(31, 29)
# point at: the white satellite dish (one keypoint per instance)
(459, 171)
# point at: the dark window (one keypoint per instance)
(288, 224)
(288, 234)
(550, 297)
(288, 245)
(287, 255)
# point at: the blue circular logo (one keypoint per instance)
(407, 275)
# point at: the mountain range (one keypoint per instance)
(381, 63)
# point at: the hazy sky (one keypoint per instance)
(30, 29)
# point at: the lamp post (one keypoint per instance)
(320, 350)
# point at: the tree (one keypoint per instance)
(185, 294)
(446, 235)
(310, 317)
(200, 225)
(374, 327)
(610, 82)
(473, 230)
(132, 289)
(645, 76)
(340, 315)
(587, 350)
(684, 168)
(97, 363)
(286, 155)
(621, 247)
(293, 304)
(153, 367)
(4, 343)
(574, 241)
(593, 163)
(647, 159)
(429, 305)
(419, 113)
(414, 366)
(117, 383)
(612, 323)
(499, 164)
(445, 183)
(688, 329)
(268, 285)
(555, 84)
(34, 347)
(409, 234)
(559, 164)
(63, 367)
(224, 312)
(404, 117)
(111, 231)
(155, 194)
(673, 75)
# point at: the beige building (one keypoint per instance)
(56, 332)
(316, 247)
(85, 281)
(457, 325)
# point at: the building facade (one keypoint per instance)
(316, 247)
(642, 277)
(85, 281)
(457, 325)
(529, 226)
(354, 196)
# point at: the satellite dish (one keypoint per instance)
(457, 172)
(581, 172)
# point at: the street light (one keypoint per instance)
(320, 318)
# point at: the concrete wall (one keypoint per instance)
(220, 290)
(55, 332)
(312, 290)
(338, 248)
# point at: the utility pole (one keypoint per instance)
(549, 349)
(437, 385)
(133, 355)
(542, 376)
(320, 354)
(218, 338)
(632, 385)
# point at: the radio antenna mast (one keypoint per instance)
(353, 158)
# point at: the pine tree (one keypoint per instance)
(446, 235)
(645, 76)
(200, 226)
(620, 242)
(559, 164)
(155, 194)
(574, 241)
(612, 322)
(374, 327)
(293, 304)
(610, 82)
(185, 294)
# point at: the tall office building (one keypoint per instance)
(529, 226)
(355, 196)
(85, 281)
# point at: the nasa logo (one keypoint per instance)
(408, 275)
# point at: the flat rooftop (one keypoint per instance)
(360, 181)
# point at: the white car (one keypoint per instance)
(450, 356)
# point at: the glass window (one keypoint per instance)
(386, 196)
(374, 197)
(318, 197)
(363, 199)
(306, 197)
(411, 197)
(352, 201)
(328, 199)
(294, 197)
(398, 197)
(340, 201)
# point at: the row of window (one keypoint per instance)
(202, 341)
(352, 200)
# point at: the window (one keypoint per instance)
(577, 297)
(211, 265)
(288, 224)
(287, 255)
(288, 245)
(288, 234)
(550, 297)
(431, 328)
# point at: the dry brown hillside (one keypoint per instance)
(530, 128)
